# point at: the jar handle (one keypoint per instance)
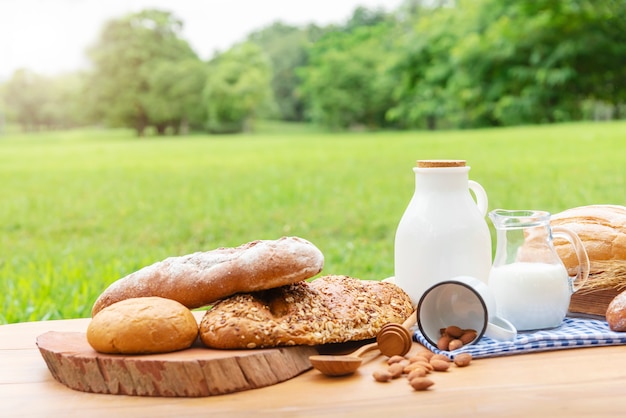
(581, 254)
(481, 196)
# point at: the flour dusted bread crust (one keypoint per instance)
(198, 279)
(330, 309)
(601, 228)
(142, 326)
(616, 313)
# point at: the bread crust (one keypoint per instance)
(142, 326)
(616, 313)
(198, 279)
(601, 228)
(330, 309)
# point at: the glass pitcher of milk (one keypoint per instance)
(530, 284)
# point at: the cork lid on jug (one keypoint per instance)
(440, 163)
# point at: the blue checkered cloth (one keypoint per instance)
(572, 333)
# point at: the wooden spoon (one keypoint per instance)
(341, 365)
(393, 339)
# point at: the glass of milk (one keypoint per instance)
(529, 282)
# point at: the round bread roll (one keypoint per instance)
(616, 313)
(330, 309)
(198, 279)
(142, 326)
(601, 228)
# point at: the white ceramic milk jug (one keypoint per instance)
(443, 232)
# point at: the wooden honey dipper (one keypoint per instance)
(395, 339)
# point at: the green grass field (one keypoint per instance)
(81, 209)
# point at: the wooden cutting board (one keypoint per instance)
(197, 371)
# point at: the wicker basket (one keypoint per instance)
(606, 280)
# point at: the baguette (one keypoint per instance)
(330, 309)
(198, 279)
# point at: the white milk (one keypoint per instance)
(531, 295)
(425, 259)
(442, 233)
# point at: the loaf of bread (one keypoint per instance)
(142, 326)
(616, 313)
(601, 228)
(330, 309)
(198, 279)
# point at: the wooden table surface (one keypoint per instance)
(573, 382)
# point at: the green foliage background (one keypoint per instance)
(81, 209)
(426, 65)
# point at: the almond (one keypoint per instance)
(454, 331)
(468, 336)
(426, 366)
(404, 362)
(395, 359)
(417, 372)
(396, 370)
(444, 342)
(440, 365)
(440, 357)
(421, 383)
(382, 376)
(455, 345)
(418, 357)
(463, 359)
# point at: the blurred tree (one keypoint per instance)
(363, 16)
(346, 82)
(66, 107)
(514, 65)
(430, 64)
(423, 69)
(38, 102)
(123, 58)
(26, 95)
(21, 98)
(537, 61)
(286, 47)
(175, 96)
(3, 112)
(490, 63)
(602, 66)
(238, 88)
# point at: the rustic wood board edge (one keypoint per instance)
(195, 372)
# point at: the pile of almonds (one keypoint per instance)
(453, 337)
(417, 367)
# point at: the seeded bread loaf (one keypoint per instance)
(198, 279)
(330, 309)
(142, 326)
